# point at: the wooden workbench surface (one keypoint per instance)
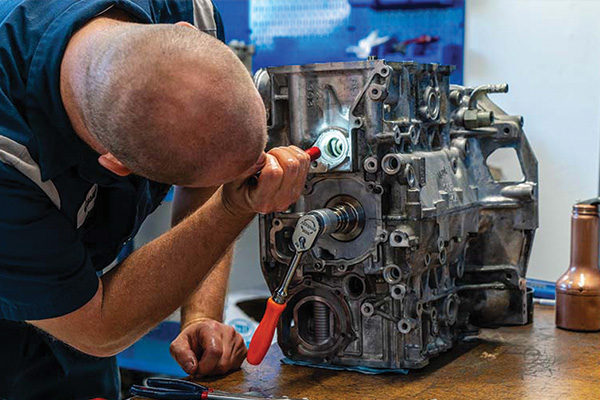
(537, 362)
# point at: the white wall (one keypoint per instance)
(549, 53)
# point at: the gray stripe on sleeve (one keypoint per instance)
(204, 17)
(16, 155)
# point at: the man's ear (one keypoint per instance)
(111, 163)
(186, 24)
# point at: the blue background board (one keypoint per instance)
(151, 353)
(311, 31)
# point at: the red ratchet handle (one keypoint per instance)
(263, 336)
(313, 152)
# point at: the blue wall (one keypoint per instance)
(308, 31)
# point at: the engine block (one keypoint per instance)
(443, 245)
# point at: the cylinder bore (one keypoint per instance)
(315, 321)
(321, 322)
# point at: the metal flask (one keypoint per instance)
(578, 289)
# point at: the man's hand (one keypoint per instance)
(208, 347)
(282, 178)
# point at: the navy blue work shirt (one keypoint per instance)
(63, 217)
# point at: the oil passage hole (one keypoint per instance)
(392, 274)
(355, 287)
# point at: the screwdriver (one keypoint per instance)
(313, 152)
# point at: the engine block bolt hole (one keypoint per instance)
(391, 164)
(404, 326)
(342, 268)
(370, 165)
(355, 286)
(440, 244)
(409, 172)
(433, 105)
(392, 274)
(442, 257)
(367, 309)
(451, 309)
(398, 291)
(419, 308)
(427, 259)
(415, 134)
(397, 238)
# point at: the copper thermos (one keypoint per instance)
(578, 289)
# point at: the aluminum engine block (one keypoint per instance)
(443, 246)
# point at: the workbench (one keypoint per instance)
(537, 361)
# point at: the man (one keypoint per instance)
(104, 105)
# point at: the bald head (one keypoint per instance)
(172, 104)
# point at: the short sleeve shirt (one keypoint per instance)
(63, 217)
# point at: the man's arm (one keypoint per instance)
(208, 300)
(205, 345)
(157, 278)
